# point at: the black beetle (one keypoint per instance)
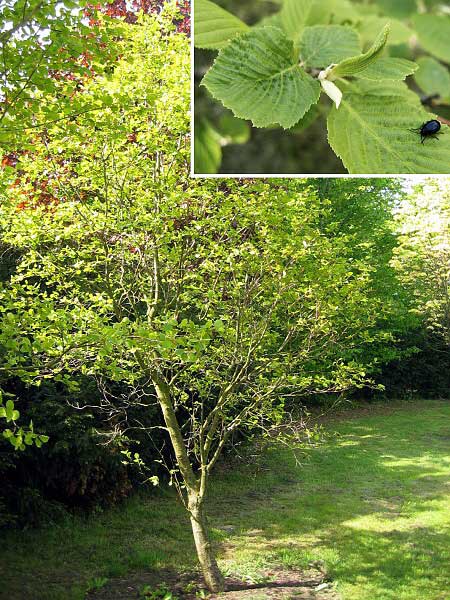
(429, 129)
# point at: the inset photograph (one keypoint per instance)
(315, 87)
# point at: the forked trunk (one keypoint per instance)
(211, 572)
(213, 577)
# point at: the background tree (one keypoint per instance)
(423, 257)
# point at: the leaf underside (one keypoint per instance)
(372, 135)
(256, 77)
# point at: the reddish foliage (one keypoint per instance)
(40, 194)
(38, 198)
(128, 10)
(10, 160)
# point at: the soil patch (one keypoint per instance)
(277, 585)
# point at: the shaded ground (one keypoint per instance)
(278, 584)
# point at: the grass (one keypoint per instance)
(372, 504)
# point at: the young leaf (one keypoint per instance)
(434, 34)
(372, 134)
(388, 68)
(322, 45)
(432, 77)
(9, 410)
(214, 26)
(357, 64)
(257, 78)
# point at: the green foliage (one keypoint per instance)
(75, 469)
(162, 592)
(374, 126)
(48, 49)
(425, 373)
(18, 437)
(274, 73)
(423, 256)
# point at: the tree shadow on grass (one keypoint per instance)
(371, 502)
(283, 585)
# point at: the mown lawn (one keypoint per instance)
(372, 503)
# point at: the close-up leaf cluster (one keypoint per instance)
(336, 84)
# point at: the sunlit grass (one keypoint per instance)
(371, 504)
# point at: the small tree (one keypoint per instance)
(219, 301)
(220, 308)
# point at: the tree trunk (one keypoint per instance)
(195, 489)
(211, 572)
